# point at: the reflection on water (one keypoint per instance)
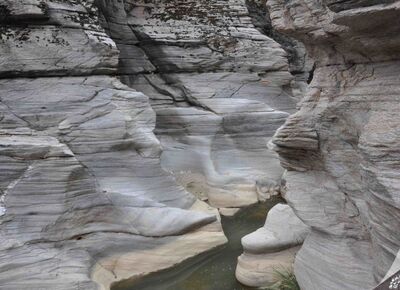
(214, 270)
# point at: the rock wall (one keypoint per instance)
(81, 186)
(219, 86)
(341, 149)
(87, 190)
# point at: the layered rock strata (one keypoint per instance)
(271, 248)
(81, 186)
(220, 89)
(88, 192)
(341, 149)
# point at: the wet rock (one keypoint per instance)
(228, 211)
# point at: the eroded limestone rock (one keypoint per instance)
(271, 248)
(341, 149)
(220, 88)
(82, 191)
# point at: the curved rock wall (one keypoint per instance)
(219, 86)
(84, 182)
(341, 149)
(81, 186)
(85, 192)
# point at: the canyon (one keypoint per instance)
(128, 127)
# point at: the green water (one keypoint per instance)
(214, 270)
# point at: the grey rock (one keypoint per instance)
(219, 86)
(271, 248)
(83, 197)
(259, 270)
(98, 176)
(282, 230)
(87, 165)
(65, 39)
(341, 147)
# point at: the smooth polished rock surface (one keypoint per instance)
(341, 149)
(80, 177)
(271, 248)
(220, 88)
(82, 181)
(282, 230)
(228, 211)
(260, 270)
(87, 190)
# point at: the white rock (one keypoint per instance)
(228, 211)
(261, 270)
(282, 230)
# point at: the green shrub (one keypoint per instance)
(285, 280)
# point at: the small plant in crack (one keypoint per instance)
(285, 280)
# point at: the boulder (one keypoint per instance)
(272, 248)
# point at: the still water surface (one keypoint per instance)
(214, 270)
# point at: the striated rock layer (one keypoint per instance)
(271, 248)
(219, 86)
(83, 197)
(88, 193)
(341, 149)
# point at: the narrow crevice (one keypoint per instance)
(296, 53)
(311, 75)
